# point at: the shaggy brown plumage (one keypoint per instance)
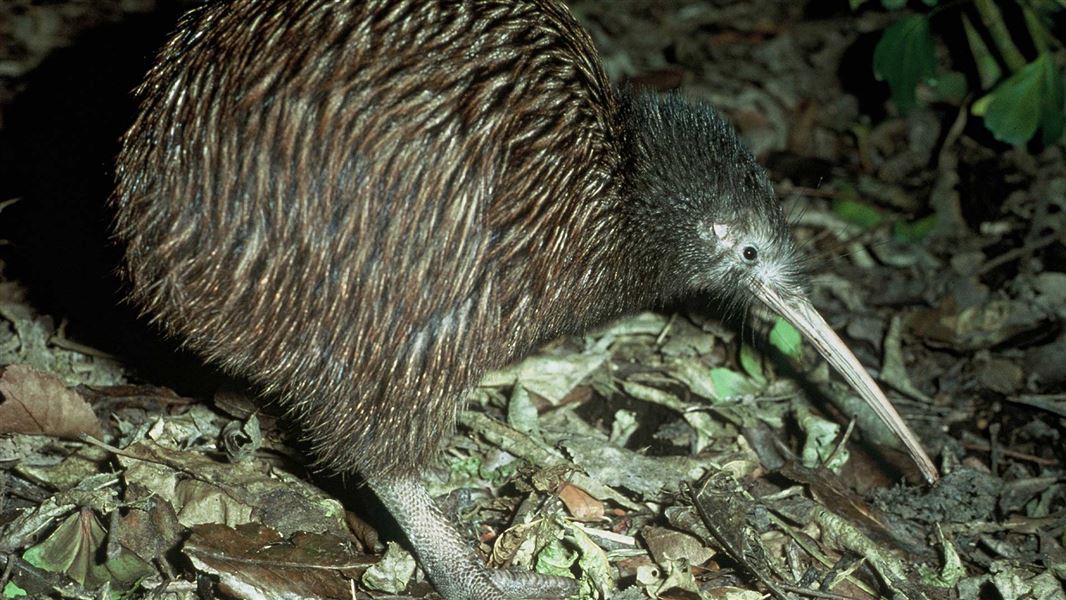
(361, 209)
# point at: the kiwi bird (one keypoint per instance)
(363, 206)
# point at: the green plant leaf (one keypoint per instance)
(1037, 31)
(905, 57)
(950, 87)
(751, 362)
(596, 570)
(820, 441)
(1029, 100)
(555, 559)
(999, 31)
(1047, 8)
(988, 70)
(786, 338)
(914, 231)
(893, 4)
(11, 590)
(730, 384)
(857, 212)
(1051, 117)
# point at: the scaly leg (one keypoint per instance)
(451, 565)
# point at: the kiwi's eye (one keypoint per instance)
(749, 253)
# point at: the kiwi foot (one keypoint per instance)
(451, 565)
(526, 585)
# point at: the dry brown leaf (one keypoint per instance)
(581, 505)
(253, 560)
(37, 402)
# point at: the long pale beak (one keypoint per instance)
(802, 315)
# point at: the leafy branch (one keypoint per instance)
(1019, 96)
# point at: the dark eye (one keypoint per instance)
(749, 253)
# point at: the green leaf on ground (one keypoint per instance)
(786, 338)
(13, 591)
(857, 212)
(555, 559)
(730, 384)
(74, 548)
(751, 362)
(914, 231)
(905, 57)
(820, 443)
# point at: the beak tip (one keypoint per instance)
(929, 470)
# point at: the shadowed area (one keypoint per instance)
(57, 152)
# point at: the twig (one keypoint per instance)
(842, 444)
(1018, 252)
(1011, 453)
(814, 593)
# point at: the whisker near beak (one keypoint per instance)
(803, 316)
